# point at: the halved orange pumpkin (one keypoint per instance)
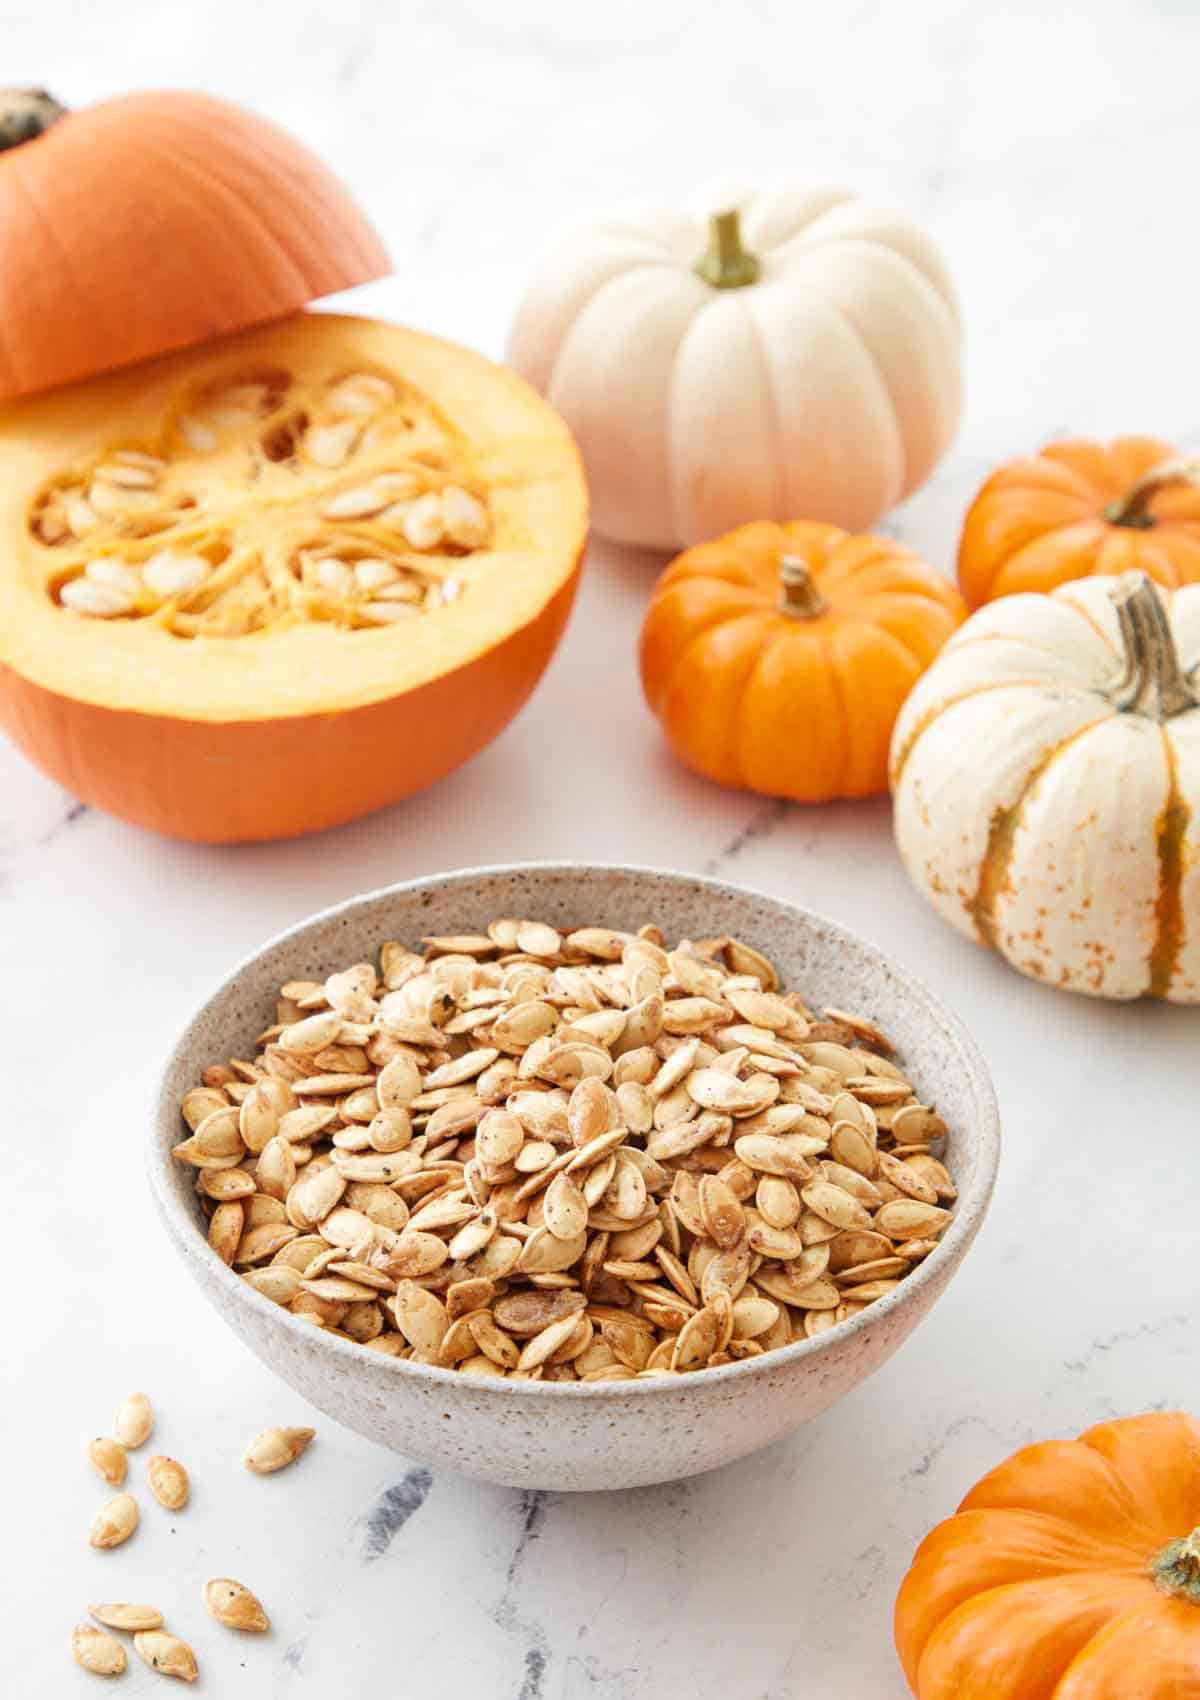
(281, 579)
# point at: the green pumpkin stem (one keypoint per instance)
(1133, 508)
(727, 264)
(25, 114)
(1154, 682)
(1177, 1568)
(800, 597)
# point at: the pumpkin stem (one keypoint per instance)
(1133, 508)
(25, 114)
(726, 264)
(801, 598)
(1177, 1568)
(1154, 683)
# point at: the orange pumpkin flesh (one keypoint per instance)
(792, 689)
(155, 221)
(1079, 508)
(279, 695)
(1071, 1572)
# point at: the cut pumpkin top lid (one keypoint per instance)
(153, 222)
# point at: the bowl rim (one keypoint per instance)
(969, 1213)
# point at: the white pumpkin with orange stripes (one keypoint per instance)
(1046, 774)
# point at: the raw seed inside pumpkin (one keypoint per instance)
(266, 502)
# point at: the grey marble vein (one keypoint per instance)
(511, 1612)
(1152, 1329)
(768, 815)
(393, 1509)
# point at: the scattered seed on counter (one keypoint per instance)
(109, 1459)
(168, 1482)
(234, 1606)
(166, 1654)
(121, 1615)
(276, 1448)
(97, 1652)
(135, 1421)
(114, 1523)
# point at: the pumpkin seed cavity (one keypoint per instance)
(267, 503)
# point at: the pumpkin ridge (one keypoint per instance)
(997, 1603)
(191, 134)
(697, 631)
(660, 264)
(772, 642)
(1002, 833)
(900, 759)
(207, 168)
(937, 305)
(1099, 464)
(1147, 553)
(778, 476)
(1170, 835)
(820, 632)
(997, 528)
(19, 168)
(1029, 477)
(943, 296)
(965, 639)
(677, 492)
(883, 640)
(895, 563)
(852, 615)
(769, 233)
(885, 420)
(1099, 1669)
(9, 344)
(903, 598)
(881, 387)
(1170, 1442)
(664, 264)
(202, 170)
(1132, 1545)
(733, 749)
(1060, 555)
(945, 302)
(785, 246)
(1086, 615)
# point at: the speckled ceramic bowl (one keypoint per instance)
(614, 1434)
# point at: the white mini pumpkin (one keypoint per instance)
(1046, 772)
(795, 356)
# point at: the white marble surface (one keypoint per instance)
(1052, 151)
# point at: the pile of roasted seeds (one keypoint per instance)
(566, 1156)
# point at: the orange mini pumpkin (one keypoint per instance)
(777, 657)
(153, 222)
(1079, 508)
(1070, 1572)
